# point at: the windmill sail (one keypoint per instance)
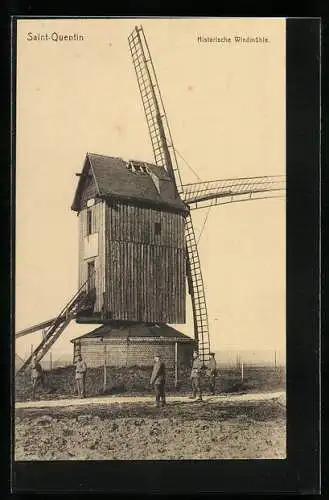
(195, 196)
(156, 118)
(164, 155)
(219, 192)
(197, 292)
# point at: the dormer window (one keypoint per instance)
(130, 166)
(137, 167)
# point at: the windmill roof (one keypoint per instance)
(113, 179)
(117, 329)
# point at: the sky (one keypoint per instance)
(226, 108)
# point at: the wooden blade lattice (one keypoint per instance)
(165, 155)
(207, 194)
(155, 114)
(197, 292)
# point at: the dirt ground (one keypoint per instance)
(224, 429)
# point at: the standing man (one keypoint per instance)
(36, 375)
(158, 379)
(196, 376)
(212, 370)
(80, 376)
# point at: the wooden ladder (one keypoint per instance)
(197, 292)
(57, 327)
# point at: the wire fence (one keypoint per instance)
(236, 371)
(226, 359)
(51, 365)
(274, 358)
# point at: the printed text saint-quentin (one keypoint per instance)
(55, 36)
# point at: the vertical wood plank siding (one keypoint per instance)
(144, 272)
(140, 275)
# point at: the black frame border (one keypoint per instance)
(300, 472)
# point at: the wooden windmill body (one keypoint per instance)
(137, 246)
(131, 242)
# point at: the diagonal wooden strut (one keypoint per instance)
(78, 301)
(39, 326)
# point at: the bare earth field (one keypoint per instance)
(218, 428)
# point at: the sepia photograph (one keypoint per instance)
(150, 239)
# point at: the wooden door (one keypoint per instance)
(91, 277)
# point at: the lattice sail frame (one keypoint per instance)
(156, 118)
(219, 192)
(165, 155)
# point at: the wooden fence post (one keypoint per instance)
(238, 360)
(241, 371)
(105, 370)
(176, 364)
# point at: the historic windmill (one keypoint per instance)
(137, 243)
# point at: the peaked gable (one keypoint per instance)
(87, 187)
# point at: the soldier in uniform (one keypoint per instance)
(212, 370)
(36, 375)
(196, 377)
(80, 376)
(158, 379)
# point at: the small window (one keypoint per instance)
(137, 167)
(89, 222)
(157, 227)
(130, 167)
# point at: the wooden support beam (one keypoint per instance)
(39, 326)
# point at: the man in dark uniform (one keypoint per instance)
(196, 376)
(158, 379)
(212, 371)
